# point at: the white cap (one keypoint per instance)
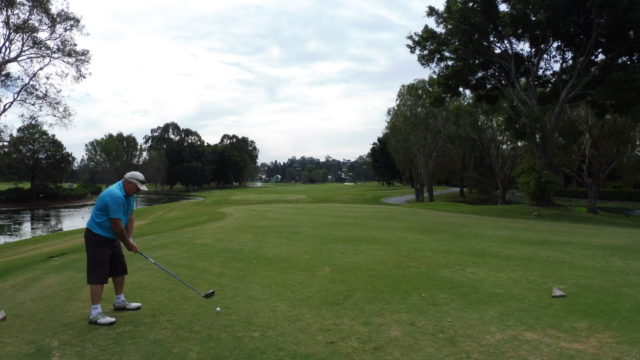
(137, 178)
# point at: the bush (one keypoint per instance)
(59, 193)
(50, 193)
(535, 182)
(92, 189)
(16, 194)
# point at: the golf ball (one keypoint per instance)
(218, 309)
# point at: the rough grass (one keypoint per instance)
(327, 272)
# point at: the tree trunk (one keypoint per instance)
(594, 193)
(544, 150)
(419, 191)
(430, 192)
(546, 198)
(461, 191)
(33, 190)
(502, 194)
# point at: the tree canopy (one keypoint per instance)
(182, 147)
(180, 155)
(38, 52)
(418, 134)
(539, 56)
(107, 159)
(36, 156)
(382, 164)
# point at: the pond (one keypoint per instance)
(23, 224)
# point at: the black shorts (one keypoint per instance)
(104, 258)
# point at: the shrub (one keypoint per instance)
(50, 193)
(59, 193)
(16, 194)
(92, 189)
(534, 181)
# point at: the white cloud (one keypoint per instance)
(300, 78)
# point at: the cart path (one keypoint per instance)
(399, 200)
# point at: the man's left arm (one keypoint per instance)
(123, 235)
(130, 224)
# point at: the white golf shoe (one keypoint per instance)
(101, 319)
(127, 306)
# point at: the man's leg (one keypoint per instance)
(96, 317)
(118, 284)
(121, 302)
(96, 293)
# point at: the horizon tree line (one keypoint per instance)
(310, 170)
(168, 156)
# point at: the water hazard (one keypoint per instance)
(23, 224)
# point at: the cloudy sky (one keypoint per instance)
(298, 77)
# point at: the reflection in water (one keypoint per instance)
(23, 224)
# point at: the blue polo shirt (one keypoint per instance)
(113, 203)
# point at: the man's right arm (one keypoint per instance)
(121, 234)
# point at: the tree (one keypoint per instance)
(382, 165)
(180, 147)
(418, 135)
(459, 158)
(154, 167)
(37, 53)
(242, 156)
(540, 56)
(36, 156)
(272, 169)
(333, 168)
(605, 143)
(4, 134)
(232, 161)
(496, 148)
(359, 169)
(631, 166)
(107, 159)
(291, 175)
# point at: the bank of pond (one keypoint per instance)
(21, 223)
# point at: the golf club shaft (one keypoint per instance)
(170, 273)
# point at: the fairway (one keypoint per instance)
(328, 272)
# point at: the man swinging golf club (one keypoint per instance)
(110, 224)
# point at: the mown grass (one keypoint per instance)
(568, 210)
(328, 272)
(9, 185)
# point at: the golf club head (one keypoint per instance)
(209, 294)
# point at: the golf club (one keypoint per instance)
(207, 295)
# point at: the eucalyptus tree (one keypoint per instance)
(540, 56)
(604, 143)
(460, 159)
(496, 148)
(38, 52)
(418, 135)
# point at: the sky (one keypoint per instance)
(298, 77)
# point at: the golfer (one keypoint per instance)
(111, 223)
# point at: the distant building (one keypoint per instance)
(276, 179)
